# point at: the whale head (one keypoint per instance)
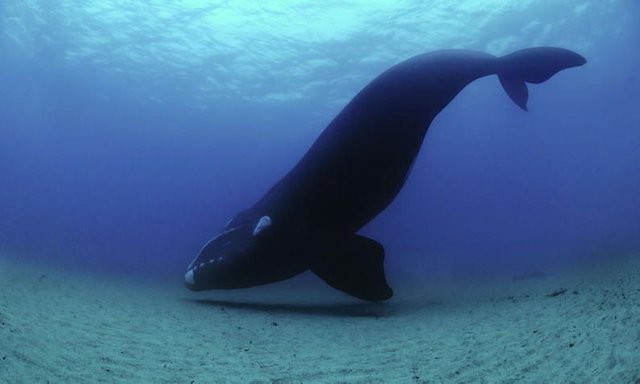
(246, 253)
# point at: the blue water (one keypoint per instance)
(131, 132)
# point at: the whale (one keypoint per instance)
(310, 218)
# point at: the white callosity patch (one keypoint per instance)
(264, 222)
(193, 267)
(188, 277)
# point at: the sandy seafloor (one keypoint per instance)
(63, 327)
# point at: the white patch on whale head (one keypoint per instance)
(188, 277)
(263, 223)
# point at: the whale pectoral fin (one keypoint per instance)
(353, 265)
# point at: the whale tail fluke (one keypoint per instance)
(533, 65)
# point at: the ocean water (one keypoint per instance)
(131, 132)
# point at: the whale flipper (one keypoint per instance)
(352, 264)
(533, 65)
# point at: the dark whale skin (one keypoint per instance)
(353, 171)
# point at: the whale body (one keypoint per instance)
(355, 168)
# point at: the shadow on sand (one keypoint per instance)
(369, 310)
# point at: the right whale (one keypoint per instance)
(353, 171)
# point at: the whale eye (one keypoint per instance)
(263, 223)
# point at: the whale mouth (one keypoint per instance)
(195, 272)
